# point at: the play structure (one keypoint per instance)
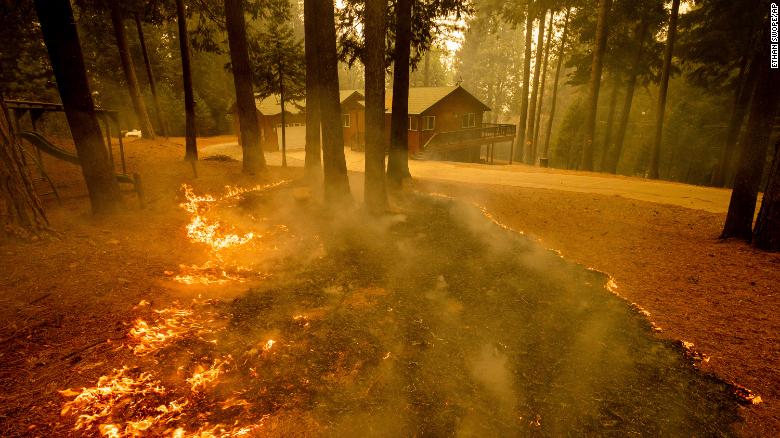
(36, 110)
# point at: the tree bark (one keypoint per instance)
(754, 145)
(723, 174)
(282, 116)
(519, 147)
(398, 160)
(62, 43)
(543, 85)
(150, 75)
(334, 163)
(595, 84)
(613, 156)
(191, 146)
(252, 153)
(555, 84)
(375, 195)
(313, 158)
(655, 157)
(610, 120)
(767, 232)
(21, 211)
(427, 70)
(529, 156)
(129, 70)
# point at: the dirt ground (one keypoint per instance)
(61, 299)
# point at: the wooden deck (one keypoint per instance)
(443, 142)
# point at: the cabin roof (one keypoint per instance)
(271, 105)
(421, 99)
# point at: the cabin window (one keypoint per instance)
(469, 120)
(345, 120)
(429, 123)
(412, 123)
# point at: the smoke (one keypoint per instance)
(434, 321)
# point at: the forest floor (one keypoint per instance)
(62, 299)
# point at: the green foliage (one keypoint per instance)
(693, 134)
(24, 66)
(430, 19)
(625, 19)
(489, 63)
(568, 148)
(716, 38)
(275, 53)
(433, 66)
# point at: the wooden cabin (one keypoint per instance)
(269, 117)
(444, 122)
(353, 119)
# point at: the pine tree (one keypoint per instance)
(191, 146)
(253, 158)
(374, 61)
(595, 84)
(21, 212)
(62, 43)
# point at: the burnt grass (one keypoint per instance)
(440, 323)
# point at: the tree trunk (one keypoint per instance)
(334, 163)
(595, 84)
(313, 158)
(529, 156)
(129, 70)
(21, 212)
(724, 172)
(655, 157)
(62, 43)
(398, 161)
(613, 156)
(754, 144)
(519, 147)
(191, 146)
(561, 50)
(284, 122)
(767, 233)
(253, 158)
(150, 75)
(538, 121)
(427, 70)
(610, 120)
(374, 61)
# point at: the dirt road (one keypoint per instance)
(518, 175)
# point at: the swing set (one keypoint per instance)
(36, 110)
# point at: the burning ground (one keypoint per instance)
(435, 321)
(432, 322)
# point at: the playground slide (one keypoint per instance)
(46, 146)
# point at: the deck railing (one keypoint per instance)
(463, 138)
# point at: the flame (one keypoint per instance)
(128, 402)
(216, 235)
(203, 230)
(205, 377)
(95, 405)
(210, 273)
(173, 323)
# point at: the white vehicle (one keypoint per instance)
(133, 133)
